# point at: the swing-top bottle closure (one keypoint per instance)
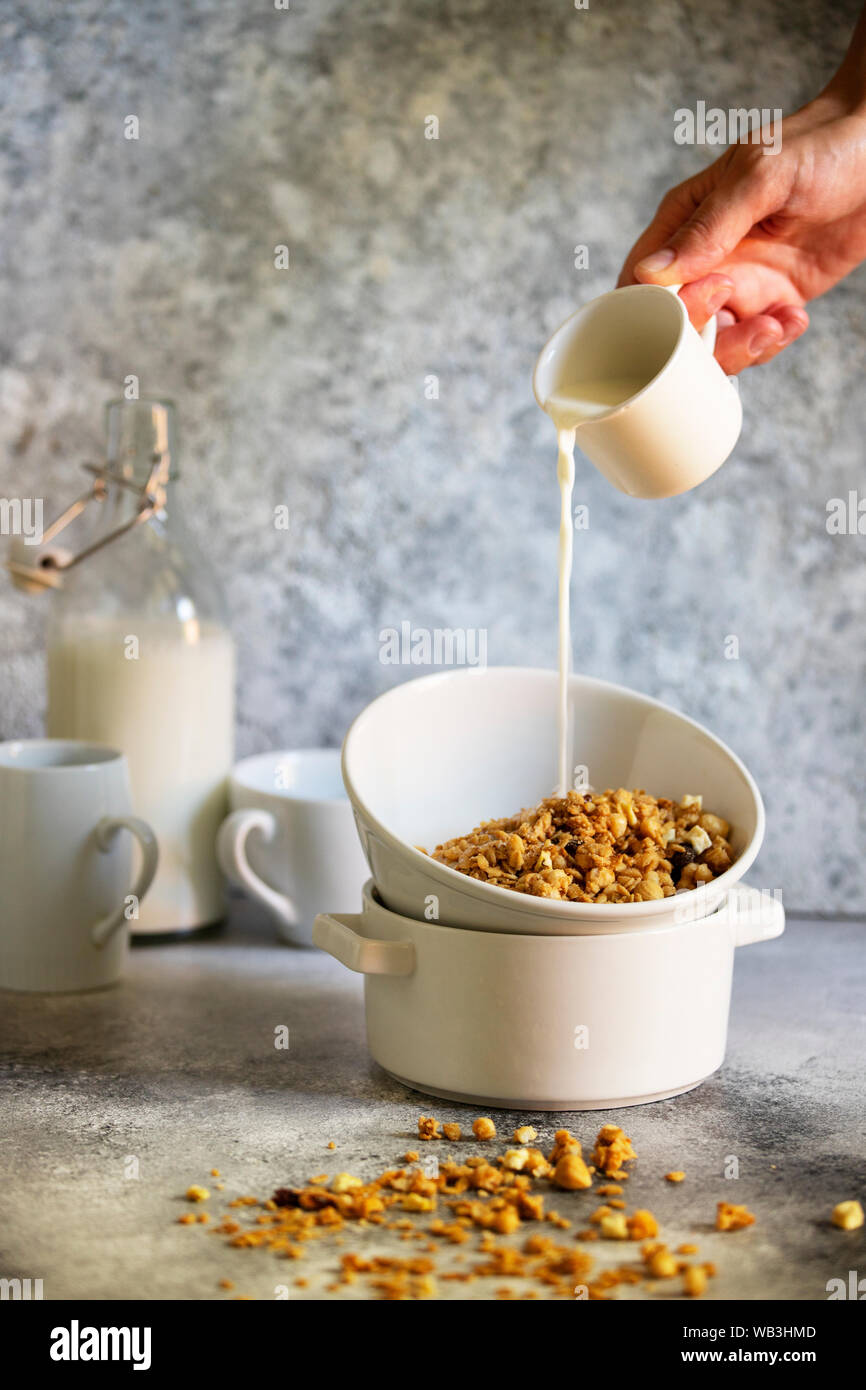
(50, 562)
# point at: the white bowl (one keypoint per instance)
(434, 757)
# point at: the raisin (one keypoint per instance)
(572, 847)
(684, 855)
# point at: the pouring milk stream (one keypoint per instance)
(655, 411)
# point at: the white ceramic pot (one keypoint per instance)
(582, 1022)
(434, 757)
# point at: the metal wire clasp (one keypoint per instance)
(47, 570)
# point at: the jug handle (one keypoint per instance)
(708, 332)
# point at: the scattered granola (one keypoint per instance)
(642, 1225)
(731, 1218)
(694, 1281)
(484, 1128)
(847, 1215)
(612, 1149)
(612, 846)
(487, 1200)
(452, 1132)
(571, 1172)
(197, 1194)
(676, 1176)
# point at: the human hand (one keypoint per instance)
(756, 235)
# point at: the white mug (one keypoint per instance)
(683, 418)
(65, 868)
(290, 840)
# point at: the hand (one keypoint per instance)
(757, 235)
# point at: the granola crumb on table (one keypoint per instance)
(483, 1201)
(732, 1218)
(483, 1128)
(848, 1216)
(613, 846)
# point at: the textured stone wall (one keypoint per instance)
(412, 258)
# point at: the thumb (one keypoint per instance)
(716, 227)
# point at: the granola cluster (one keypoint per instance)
(600, 847)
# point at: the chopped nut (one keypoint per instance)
(642, 1225)
(732, 1218)
(524, 1135)
(344, 1182)
(698, 839)
(848, 1216)
(484, 1128)
(614, 1226)
(694, 1281)
(571, 1172)
(452, 1132)
(516, 1159)
(661, 1263)
(411, 1156)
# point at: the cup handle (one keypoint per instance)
(708, 332)
(232, 855)
(106, 830)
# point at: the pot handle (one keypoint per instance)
(336, 933)
(753, 915)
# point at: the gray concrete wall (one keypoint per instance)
(411, 257)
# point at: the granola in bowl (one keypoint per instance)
(597, 847)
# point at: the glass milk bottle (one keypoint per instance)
(139, 658)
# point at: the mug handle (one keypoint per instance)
(106, 831)
(232, 854)
(708, 332)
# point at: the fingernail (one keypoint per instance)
(761, 342)
(725, 319)
(659, 260)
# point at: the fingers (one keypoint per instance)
(709, 235)
(675, 208)
(757, 339)
(705, 297)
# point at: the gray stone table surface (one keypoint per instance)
(176, 1072)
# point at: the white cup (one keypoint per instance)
(291, 840)
(682, 423)
(65, 868)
